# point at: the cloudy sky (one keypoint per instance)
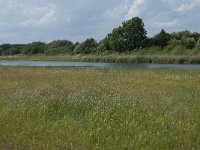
(23, 21)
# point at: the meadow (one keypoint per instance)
(98, 108)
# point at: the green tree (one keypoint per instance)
(182, 34)
(129, 36)
(86, 47)
(59, 47)
(198, 44)
(14, 50)
(188, 43)
(4, 49)
(195, 35)
(34, 48)
(1, 51)
(161, 39)
(104, 45)
(61, 43)
(173, 43)
(117, 41)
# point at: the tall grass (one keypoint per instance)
(159, 59)
(113, 58)
(91, 108)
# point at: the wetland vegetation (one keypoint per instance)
(96, 108)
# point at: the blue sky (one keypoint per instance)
(23, 21)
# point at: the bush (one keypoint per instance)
(172, 44)
(154, 50)
(188, 43)
(198, 45)
(86, 47)
(34, 48)
(59, 47)
(179, 50)
(161, 39)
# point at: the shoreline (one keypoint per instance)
(135, 59)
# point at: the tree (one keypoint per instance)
(188, 43)
(104, 45)
(4, 49)
(59, 47)
(34, 48)
(198, 44)
(182, 34)
(161, 39)
(15, 49)
(129, 36)
(117, 42)
(195, 35)
(88, 46)
(1, 51)
(60, 43)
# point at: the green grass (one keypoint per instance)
(42, 57)
(94, 108)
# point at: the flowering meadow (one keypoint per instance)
(99, 108)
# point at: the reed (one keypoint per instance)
(159, 59)
(113, 58)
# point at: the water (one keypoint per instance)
(94, 64)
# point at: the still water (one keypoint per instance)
(95, 64)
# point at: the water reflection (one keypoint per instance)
(95, 64)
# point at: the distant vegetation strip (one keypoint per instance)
(130, 37)
(144, 59)
(136, 59)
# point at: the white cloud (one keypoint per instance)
(48, 17)
(184, 7)
(134, 10)
(27, 13)
(166, 24)
(181, 5)
(31, 20)
(115, 13)
(40, 16)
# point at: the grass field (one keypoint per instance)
(96, 108)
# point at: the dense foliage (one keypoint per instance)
(130, 37)
(86, 47)
(161, 39)
(59, 46)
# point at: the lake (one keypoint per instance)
(94, 64)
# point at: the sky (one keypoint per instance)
(25, 21)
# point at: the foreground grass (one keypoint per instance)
(91, 108)
(113, 58)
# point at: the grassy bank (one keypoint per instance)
(91, 108)
(114, 58)
(144, 59)
(43, 57)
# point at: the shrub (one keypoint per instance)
(178, 50)
(86, 47)
(188, 43)
(59, 47)
(198, 45)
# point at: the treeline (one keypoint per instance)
(130, 37)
